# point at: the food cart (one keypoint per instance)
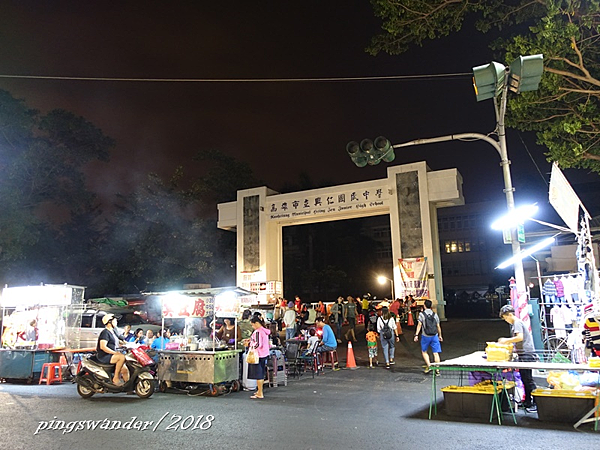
(197, 357)
(34, 324)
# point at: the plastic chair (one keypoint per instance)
(53, 373)
(331, 358)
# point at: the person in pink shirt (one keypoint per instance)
(259, 341)
(395, 307)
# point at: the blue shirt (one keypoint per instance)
(159, 343)
(329, 337)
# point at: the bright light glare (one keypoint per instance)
(382, 279)
(226, 298)
(519, 215)
(540, 245)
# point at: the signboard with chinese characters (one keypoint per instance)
(413, 277)
(327, 202)
(181, 306)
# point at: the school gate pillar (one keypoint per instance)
(410, 195)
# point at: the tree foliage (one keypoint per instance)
(42, 188)
(155, 240)
(565, 111)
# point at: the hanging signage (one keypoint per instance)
(564, 199)
(413, 277)
(176, 306)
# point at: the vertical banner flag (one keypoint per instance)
(413, 277)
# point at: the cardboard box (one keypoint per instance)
(562, 405)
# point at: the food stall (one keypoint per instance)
(197, 356)
(34, 324)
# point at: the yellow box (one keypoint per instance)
(594, 361)
(498, 352)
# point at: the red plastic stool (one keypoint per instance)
(53, 373)
(331, 358)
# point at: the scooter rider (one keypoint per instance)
(106, 351)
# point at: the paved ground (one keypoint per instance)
(347, 409)
(461, 336)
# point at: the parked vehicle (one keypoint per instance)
(86, 336)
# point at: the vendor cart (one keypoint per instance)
(34, 323)
(197, 357)
(200, 367)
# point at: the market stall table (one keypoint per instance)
(34, 320)
(202, 366)
(476, 361)
(187, 360)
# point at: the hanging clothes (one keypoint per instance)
(549, 291)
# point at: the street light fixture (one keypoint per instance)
(383, 279)
(491, 80)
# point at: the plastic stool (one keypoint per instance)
(53, 373)
(331, 357)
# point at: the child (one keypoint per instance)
(313, 342)
(372, 345)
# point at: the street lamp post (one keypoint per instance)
(383, 279)
(492, 80)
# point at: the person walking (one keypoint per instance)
(337, 311)
(523, 341)
(372, 345)
(386, 327)
(431, 336)
(350, 314)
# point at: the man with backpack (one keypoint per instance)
(431, 336)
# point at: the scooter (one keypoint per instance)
(96, 378)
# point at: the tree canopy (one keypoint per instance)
(565, 111)
(42, 184)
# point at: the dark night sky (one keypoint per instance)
(280, 129)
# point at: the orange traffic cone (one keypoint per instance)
(350, 362)
(410, 322)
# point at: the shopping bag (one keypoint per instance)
(252, 357)
(142, 357)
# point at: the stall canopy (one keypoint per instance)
(219, 302)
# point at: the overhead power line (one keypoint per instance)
(241, 80)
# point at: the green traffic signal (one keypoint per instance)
(385, 148)
(356, 154)
(488, 80)
(370, 152)
(526, 73)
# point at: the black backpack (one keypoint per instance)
(430, 324)
(386, 331)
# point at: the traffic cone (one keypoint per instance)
(410, 322)
(350, 362)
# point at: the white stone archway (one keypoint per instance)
(410, 194)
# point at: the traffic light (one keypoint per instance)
(357, 156)
(370, 152)
(526, 73)
(385, 148)
(488, 80)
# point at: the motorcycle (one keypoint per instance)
(96, 377)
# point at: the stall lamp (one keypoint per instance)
(226, 298)
(540, 245)
(516, 217)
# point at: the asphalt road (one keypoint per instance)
(349, 409)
